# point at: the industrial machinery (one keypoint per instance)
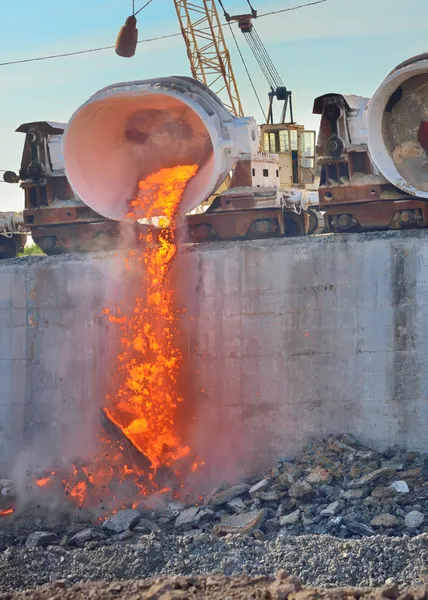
(105, 173)
(160, 123)
(57, 218)
(165, 122)
(253, 212)
(254, 206)
(373, 153)
(294, 145)
(13, 234)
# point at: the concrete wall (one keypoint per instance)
(286, 339)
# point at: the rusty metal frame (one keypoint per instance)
(330, 196)
(84, 236)
(230, 225)
(380, 214)
(39, 217)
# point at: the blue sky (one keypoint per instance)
(345, 46)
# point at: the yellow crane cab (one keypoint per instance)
(295, 147)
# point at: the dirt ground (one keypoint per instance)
(214, 588)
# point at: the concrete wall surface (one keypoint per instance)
(284, 339)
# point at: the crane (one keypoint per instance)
(207, 50)
(209, 56)
(210, 63)
(277, 87)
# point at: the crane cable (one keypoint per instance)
(258, 49)
(248, 72)
(264, 53)
(140, 9)
(155, 39)
(263, 59)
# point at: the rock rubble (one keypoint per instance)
(336, 487)
(337, 503)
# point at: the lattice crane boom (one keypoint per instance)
(207, 50)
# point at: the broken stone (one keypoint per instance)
(125, 535)
(204, 515)
(400, 486)
(411, 473)
(243, 523)
(271, 525)
(414, 519)
(371, 501)
(384, 492)
(370, 477)
(286, 480)
(187, 516)
(365, 455)
(259, 535)
(224, 496)
(175, 508)
(122, 520)
(396, 463)
(352, 494)
(359, 528)
(7, 493)
(259, 487)
(290, 519)
(81, 537)
(354, 472)
(146, 526)
(307, 521)
(236, 504)
(331, 509)
(287, 467)
(385, 520)
(301, 490)
(340, 447)
(7, 488)
(40, 539)
(319, 476)
(271, 495)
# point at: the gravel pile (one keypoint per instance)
(338, 514)
(316, 560)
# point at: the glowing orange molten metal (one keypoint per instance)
(6, 511)
(146, 403)
(43, 481)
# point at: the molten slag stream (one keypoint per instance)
(145, 406)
